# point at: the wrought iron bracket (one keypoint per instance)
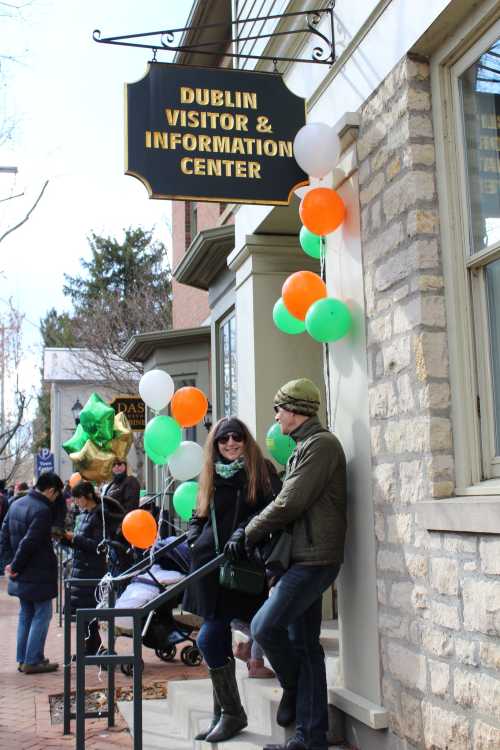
(164, 40)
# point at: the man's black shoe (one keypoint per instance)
(287, 708)
(292, 744)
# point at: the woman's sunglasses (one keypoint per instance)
(237, 438)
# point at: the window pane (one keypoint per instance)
(493, 291)
(480, 90)
(228, 366)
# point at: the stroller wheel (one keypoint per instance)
(191, 656)
(166, 654)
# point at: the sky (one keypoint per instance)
(66, 93)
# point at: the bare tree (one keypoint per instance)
(15, 430)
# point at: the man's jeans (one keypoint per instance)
(288, 627)
(32, 629)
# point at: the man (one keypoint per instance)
(126, 489)
(27, 545)
(312, 503)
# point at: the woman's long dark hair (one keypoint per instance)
(255, 466)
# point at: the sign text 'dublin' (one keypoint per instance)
(228, 139)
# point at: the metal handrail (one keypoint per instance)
(110, 660)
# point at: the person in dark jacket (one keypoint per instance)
(123, 487)
(89, 555)
(237, 482)
(312, 503)
(27, 544)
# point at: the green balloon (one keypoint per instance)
(97, 419)
(328, 319)
(162, 435)
(185, 499)
(286, 322)
(77, 441)
(310, 243)
(156, 458)
(279, 446)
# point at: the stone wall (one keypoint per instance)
(438, 593)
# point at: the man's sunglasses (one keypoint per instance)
(237, 438)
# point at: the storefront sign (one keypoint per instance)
(134, 409)
(213, 134)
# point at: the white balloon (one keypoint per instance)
(187, 461)
(316, 149)
(156, 388)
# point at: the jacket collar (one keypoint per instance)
(38, 496)
(310, 427)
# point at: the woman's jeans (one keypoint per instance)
(32, 629)
(288, 628)
(215, 641)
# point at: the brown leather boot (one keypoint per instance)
(257, 668)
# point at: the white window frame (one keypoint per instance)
(477, 499)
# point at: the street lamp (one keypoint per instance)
(207, 419)
(76, 410)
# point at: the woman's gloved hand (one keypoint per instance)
(234, 549)
(193, 531)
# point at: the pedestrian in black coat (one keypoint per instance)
(238, 483)
(89, 553)
(26, 544)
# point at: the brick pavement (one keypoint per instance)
(24, 699)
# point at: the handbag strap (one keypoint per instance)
(214, 522)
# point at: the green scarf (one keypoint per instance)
(226, 471)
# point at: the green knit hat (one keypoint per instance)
(300, 396)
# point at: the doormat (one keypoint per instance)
(97, 700)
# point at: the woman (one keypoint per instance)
(89, 558)
(239, 483)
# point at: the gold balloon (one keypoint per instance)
(93, 464)
(123, 436)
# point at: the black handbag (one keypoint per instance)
(245, 576)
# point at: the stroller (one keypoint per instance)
(163, 631)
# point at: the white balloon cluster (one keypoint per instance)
(316, 149)
(156, 389)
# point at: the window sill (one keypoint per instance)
(478, 514)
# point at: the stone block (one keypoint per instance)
(486, 737)
(413, 481)
(417, 565)
(393, 168)
(466, 652)
(399, 528)
(444, 729)
(416, 69)
(440, 434)
(392, 271)
(419, 154)
(418, 100)
(380, 329)
(420, 126)
(431, 355)
(400, 597)
(481, 602)
(445, 615)
(385, 483)
(380, 526)
(377, 440)
(372, 189)
(434, 395)
(478, 691)
(396, 355)
(489, 655)
(489, 551)
(406, 191)
(420, 599)
(444, 575)
(381, 592)
(427, 283)
(437, 642)
(406, 400)
(407, 667)
(408, 435)
(411, 717)
(393, 626)
(442, 489)
(384, 243)
(370, 139)
(425, 254)
(390, 561)
(427, 540)
(382, 401)
(460, 543)
(376, 214)
(422, 221)
(439, 673)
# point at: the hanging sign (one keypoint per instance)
(213, 134)
(133, 408)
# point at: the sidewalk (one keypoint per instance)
(24, 699)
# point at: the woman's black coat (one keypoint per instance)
(205, 597)
(88, 562)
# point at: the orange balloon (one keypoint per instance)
(189, 406)
(322, 210)
(139, 528)
(300, 290)
(74, 479)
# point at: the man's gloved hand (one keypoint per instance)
(235, 547)
(253, 553)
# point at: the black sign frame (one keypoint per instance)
(138, 424)
(186, 127)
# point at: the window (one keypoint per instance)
(477, 92)
(227, 366)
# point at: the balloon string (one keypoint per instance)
(326, 347)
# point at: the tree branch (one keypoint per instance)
(13, 229)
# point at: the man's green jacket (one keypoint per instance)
(313, 499)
